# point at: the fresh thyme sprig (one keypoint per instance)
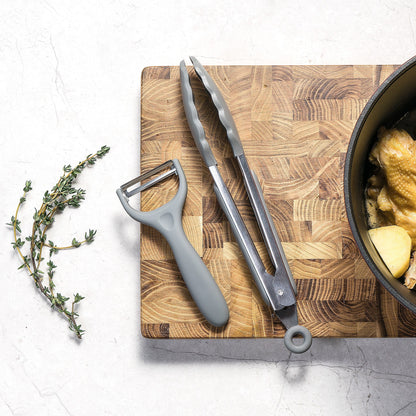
(62, 195)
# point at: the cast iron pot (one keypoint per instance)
(392, 99)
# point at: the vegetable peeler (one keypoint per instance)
(278, 291)
(167, 219)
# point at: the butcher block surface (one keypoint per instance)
(295, 123)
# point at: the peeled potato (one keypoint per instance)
(394, 244)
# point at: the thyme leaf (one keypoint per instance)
(62, 195)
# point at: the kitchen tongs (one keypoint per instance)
(279, 290)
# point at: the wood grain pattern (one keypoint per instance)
(295, 123)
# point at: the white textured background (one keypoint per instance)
(70, 82)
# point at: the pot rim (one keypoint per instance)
(347, 174)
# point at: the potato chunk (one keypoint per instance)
(394, 244)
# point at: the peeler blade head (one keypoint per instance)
(127, 187)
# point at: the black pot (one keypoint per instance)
(392, 99)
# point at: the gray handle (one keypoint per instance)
(198, 279)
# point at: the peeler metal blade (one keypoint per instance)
(172, 171)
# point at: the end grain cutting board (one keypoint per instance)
(295, 123)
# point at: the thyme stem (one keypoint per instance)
(61, 196)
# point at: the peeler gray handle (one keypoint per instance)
(167, 219)
(199, 281)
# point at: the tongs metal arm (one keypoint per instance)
(264, 219)
(275, 292)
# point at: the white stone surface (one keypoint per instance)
(70, 82)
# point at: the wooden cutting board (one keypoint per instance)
(295, 123)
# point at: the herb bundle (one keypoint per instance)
(62, 195)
